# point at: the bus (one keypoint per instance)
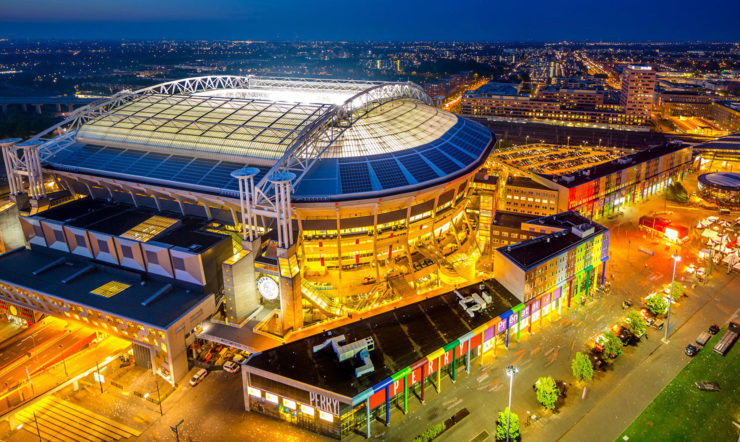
(664, 228)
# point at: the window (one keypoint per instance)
(59, 235)
(103, 247)
(151, 257)
(127, 252)
(80, 239)
(178, 263)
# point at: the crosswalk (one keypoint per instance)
(60, 420)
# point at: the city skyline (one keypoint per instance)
(378, 21)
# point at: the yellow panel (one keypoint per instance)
(109, 289)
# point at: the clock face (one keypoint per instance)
(268, 288)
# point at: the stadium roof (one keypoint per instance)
(343, 139)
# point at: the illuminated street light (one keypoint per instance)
(676, 259)
(510, 371)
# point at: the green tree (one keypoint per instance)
(676, 192)
(677, 290)
(656, 304)
(582, 367)
(612, 344)
(501, 425)
(635, 322)
(547, 392)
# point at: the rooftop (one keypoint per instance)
(402, 337)
(532, 252)
(600, 170)
(511, 219)
(18, 267)
(494, 88)
(520, 181)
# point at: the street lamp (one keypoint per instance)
(510, 371)
(64, 360)
(176, 431)
(676, 259)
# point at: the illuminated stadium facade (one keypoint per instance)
(338, 196)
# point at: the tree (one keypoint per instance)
(582, 367)
(676, 192)
(635, 323)
(547, 392)
(501, 425)
(656, 304)
(677, 290)
(612, 344)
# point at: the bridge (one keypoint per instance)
(70, 102)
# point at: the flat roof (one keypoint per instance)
(17, 268)
(521, 181)
(600, 170)
(511, 219)
(402, 337)
(530, 253)
(730, 142)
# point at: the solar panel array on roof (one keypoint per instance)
(417, 167)
(355, 178)
(388, 173)
(180, 169)
(441, 161)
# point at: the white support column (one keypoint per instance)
(245, 177)
(281, 184)
(10, 158)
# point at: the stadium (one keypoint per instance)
(305, 200)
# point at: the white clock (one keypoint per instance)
(268, 288)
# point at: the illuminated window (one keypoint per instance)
(289, 404)
(326, 416)
(307, 410)
(109, 289)
(254, 392)
(271, 397)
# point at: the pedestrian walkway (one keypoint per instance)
(60, 420)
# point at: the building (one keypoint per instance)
(721, 187)
(506, 228)
(503, 101)
(572, 97)
(600, 190)
(592, 181)
(637, 93)
(565, 259)
(356, 377)
(524, 195)
(720, 154)
(330, 198)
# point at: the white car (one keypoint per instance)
(231, 367)
(198, 376)
(239, 359)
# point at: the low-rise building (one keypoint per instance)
(525, 195)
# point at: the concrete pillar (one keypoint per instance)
(38, 108)
(70, 107)
(76, 385)
(59, 107)
(367, 415)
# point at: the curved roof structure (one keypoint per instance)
(729, 181)
(342, 139)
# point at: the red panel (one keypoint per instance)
(475, 341)
(377, 399)
(415, 376)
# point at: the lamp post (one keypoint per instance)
(510, 371)
(676, 259)
(175, 429)
(64, 360)
(159, 398)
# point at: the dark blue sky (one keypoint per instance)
(532, 20)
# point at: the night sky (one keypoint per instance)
(361, 20)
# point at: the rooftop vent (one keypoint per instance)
(567, 178)
(583, 230)
(361, 347)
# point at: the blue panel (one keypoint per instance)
(100, 158)
(195, 171)
(418, 168)
(145, 164)
(388, 173)
(170, 168)
(220, 175)
(460, 155)
(441, 161)
(355, 178)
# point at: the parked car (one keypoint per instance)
(624, 335)
(239, 359)
(703, 338)
(713, 329)
(691, 350)
(626, 304)
(231, 367)
(368, 280)
(198, 377)
(651, 320)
